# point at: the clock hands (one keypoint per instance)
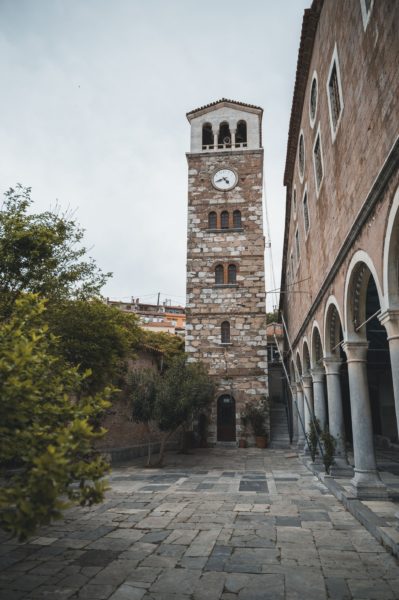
(223, 179)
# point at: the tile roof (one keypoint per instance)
(191, 112)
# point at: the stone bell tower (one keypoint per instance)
(226, 314)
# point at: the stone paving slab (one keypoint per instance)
(220, 524)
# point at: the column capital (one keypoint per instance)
(332, 365)
(306, 380)
(317, 375)
(355, 351)
(390, 319)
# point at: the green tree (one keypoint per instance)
(143, 386)
(170, 345)
(46, 426)
(42, 253)
(172, 399)
(97, 337)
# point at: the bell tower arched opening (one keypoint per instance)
(224, 137)
(207, 137)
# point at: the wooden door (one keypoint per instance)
(226, 420)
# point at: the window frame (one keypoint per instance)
(301, 174)
(297, 248)
(312, 120)
(212, 212)
(235, 212)
(225, 339)
(334, 62)
(294, 202)
(234, 266)
(318, 185)
(222, 214)
(366, 13)
(216, 270)
(306, 195)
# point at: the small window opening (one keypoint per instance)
(224, 138)
(236, 219)
(219, 275)
(294, 201)
(224, 220)
(292, 265)
(232, 274)
(207, 136)
(301, 155)
(241, 134)
(306, 212)
(335, 99)
(313, 99)
(318, 162)
(298, 254)
(225, 332)
(212, 220)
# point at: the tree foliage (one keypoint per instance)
(46, 426)
(143, 387)
(95, 336)
(170, 401)
(42, 253)
(170, 345)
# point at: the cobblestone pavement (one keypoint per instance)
(219, 524)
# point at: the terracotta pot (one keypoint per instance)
(260, 441)
(242, 443)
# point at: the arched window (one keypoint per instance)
(224, 138)
(225, 332)
(237, 219)
(224, 220)
(219, 275)
(232, 274)
(212, 220)
(207, 135)
(241, 134)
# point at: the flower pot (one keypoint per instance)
(260, 441)
(242, 443)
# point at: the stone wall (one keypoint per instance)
(240, 367)
(124, 438)
(353, 160)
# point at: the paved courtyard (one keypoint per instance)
(218, 524)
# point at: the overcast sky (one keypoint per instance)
(92, 114)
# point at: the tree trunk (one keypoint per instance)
(163, 444)
(148, 430)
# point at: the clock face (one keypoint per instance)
(224, 179)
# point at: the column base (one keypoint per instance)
(341, 468)
(368, 485)
(300, 446)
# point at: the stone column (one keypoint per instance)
(320, 411)
(307, 400)
(366, 481)
(233, 137)
(215, 139)
(336, 416)
(301, 435)
(390, 320)
(294, 409)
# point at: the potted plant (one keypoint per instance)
(254, 414)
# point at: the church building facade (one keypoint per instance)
(225, 313)
(340, 275)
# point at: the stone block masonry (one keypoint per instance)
(238, 365)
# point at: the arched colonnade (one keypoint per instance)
(347, 370)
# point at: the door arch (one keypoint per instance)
(226, 419)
